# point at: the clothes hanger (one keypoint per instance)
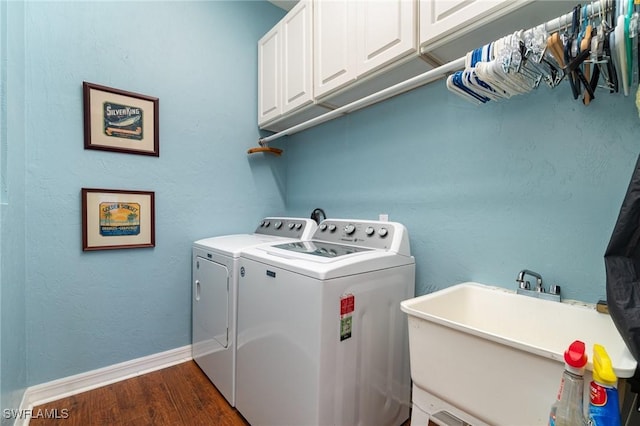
(621, 52)
(456, 90)
(571, 52)
(628, 14)
(457, 80)
(634, 22)
(275, 151)
(608, 45)
(574, 68)
(264, 148)
(585, 45)
(556, 48)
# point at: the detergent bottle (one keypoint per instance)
(604, 408)
(568, 410)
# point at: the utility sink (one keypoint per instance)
(491, 356)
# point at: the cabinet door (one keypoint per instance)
(334, 44)
(269, 79)
(442, 17)
(386, 32)
(297, 59)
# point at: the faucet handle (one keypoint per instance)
(526, 285)
(554, 289)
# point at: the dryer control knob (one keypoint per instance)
(383, 232)
(298, 225)
(266, 223)
(291, 225)
(323, 227)
(332, 228)
(369, 231)
(277, 225)
(349, 229)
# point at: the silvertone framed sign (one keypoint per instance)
(120, 121)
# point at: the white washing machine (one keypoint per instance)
(215, 292)
(321, 337)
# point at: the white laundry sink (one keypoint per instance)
(492, 356)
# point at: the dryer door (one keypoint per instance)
(210, 304)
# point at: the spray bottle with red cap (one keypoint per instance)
(568, 410)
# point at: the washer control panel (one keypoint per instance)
(372, 234)
(289, 227)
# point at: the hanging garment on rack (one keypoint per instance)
(595, 45)
(512, 65)
(603, 17)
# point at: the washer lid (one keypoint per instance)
(232, 245)
(320, 248)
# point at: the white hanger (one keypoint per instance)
(464, 95)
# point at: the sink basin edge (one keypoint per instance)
(624, 363)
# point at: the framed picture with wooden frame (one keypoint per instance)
(120, 121)
(117, 219)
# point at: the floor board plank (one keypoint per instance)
(178, 395)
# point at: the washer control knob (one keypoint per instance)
(277, 225)
(291, 225)
(332, 228)
(266, 223)
(349, 229)
(262, 224)
(298, 225)
(383, 232)
(323, 227)
(369, 231)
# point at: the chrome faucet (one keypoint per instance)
(525, 284)
(524, 287)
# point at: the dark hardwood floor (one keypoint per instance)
(177, 395)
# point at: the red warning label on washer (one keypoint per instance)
(347, 304)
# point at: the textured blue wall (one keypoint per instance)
(533, 182)
(90, 310)
(13, 370)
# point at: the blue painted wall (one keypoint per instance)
(13, 368)
(94, 309)
(533, 182)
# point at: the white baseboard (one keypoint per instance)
(67, 386)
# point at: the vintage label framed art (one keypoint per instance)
(120, 121)
(117, 219)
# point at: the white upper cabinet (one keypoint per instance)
(439, 18)
(328, 53)
(334, 39)
(355, 38)
(269, 64)
(285, 70)
(451, 28)
(386, 31)
(297, 57)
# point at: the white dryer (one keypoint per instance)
(215, 292)
(321, 337)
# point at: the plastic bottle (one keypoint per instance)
(604, 408)
(568, 408)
